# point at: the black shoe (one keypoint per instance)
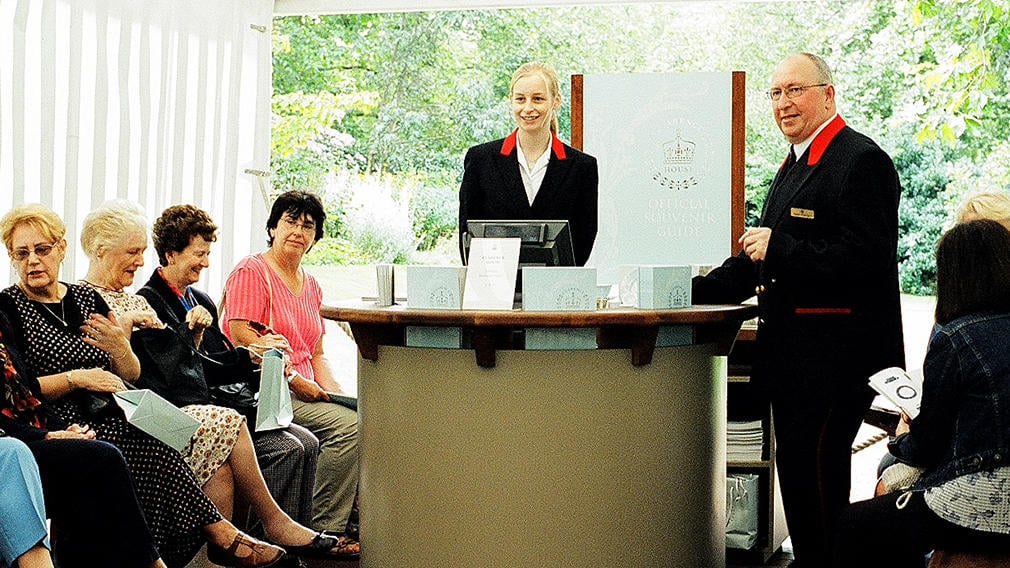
(327, 546)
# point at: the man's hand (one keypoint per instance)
(755, 242)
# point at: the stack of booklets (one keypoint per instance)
(744, 441)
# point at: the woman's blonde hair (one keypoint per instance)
(36, 215)
(994, 206)
(549, 77)
(109, 224)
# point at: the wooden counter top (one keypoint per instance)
(619, 328)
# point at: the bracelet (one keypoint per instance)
(70, 380)
(292, 376)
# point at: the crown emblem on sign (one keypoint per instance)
(679, 151)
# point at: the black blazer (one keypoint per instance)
(829, 295)
(236, 365)
(492, 188)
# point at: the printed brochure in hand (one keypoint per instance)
(904, 389)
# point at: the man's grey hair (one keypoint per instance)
(823, 70)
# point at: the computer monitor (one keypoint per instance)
(542, 242)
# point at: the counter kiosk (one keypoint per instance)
(492, 455)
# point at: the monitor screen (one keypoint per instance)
(543, 242)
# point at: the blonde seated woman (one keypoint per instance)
(221, 453)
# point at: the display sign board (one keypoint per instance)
(664, 144)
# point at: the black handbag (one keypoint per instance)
(223, 363)
(231, 374)
(96, 405)
(237, 396)
(170, 364)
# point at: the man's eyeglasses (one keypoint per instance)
(790, 92)
(20, 254)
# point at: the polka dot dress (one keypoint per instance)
(175, 507)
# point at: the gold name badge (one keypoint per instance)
(801, 213)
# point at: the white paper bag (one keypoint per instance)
(742, 510)
(273, 411)
(146, 410)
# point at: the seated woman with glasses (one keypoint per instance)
(271, 288)
(71, 347)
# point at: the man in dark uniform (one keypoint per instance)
(823, 263)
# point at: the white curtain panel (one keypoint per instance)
(157, 101)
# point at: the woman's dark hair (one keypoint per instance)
(176, 227)
(972, 270)
(294, 204)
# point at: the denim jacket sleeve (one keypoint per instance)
(931, 434)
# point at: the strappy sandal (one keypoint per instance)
(327, 546)
(263, 554)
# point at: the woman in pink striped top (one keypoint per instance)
(271, 288)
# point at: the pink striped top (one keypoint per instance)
(248, 297)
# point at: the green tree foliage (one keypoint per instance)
(923, 212)
(964, 63)
(404, 95)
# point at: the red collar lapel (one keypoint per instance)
(820, 144)
(510, 144)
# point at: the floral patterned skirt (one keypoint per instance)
(213, 441)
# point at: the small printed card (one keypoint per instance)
(435, 287)
(559, 289)
(901, 388)
(655, 287)
(491, 274)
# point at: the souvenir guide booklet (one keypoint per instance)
(901, 388)
(491, 274)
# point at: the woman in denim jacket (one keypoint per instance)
(961, 437)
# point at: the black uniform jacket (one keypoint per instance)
(492, 188)
(828, 289)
